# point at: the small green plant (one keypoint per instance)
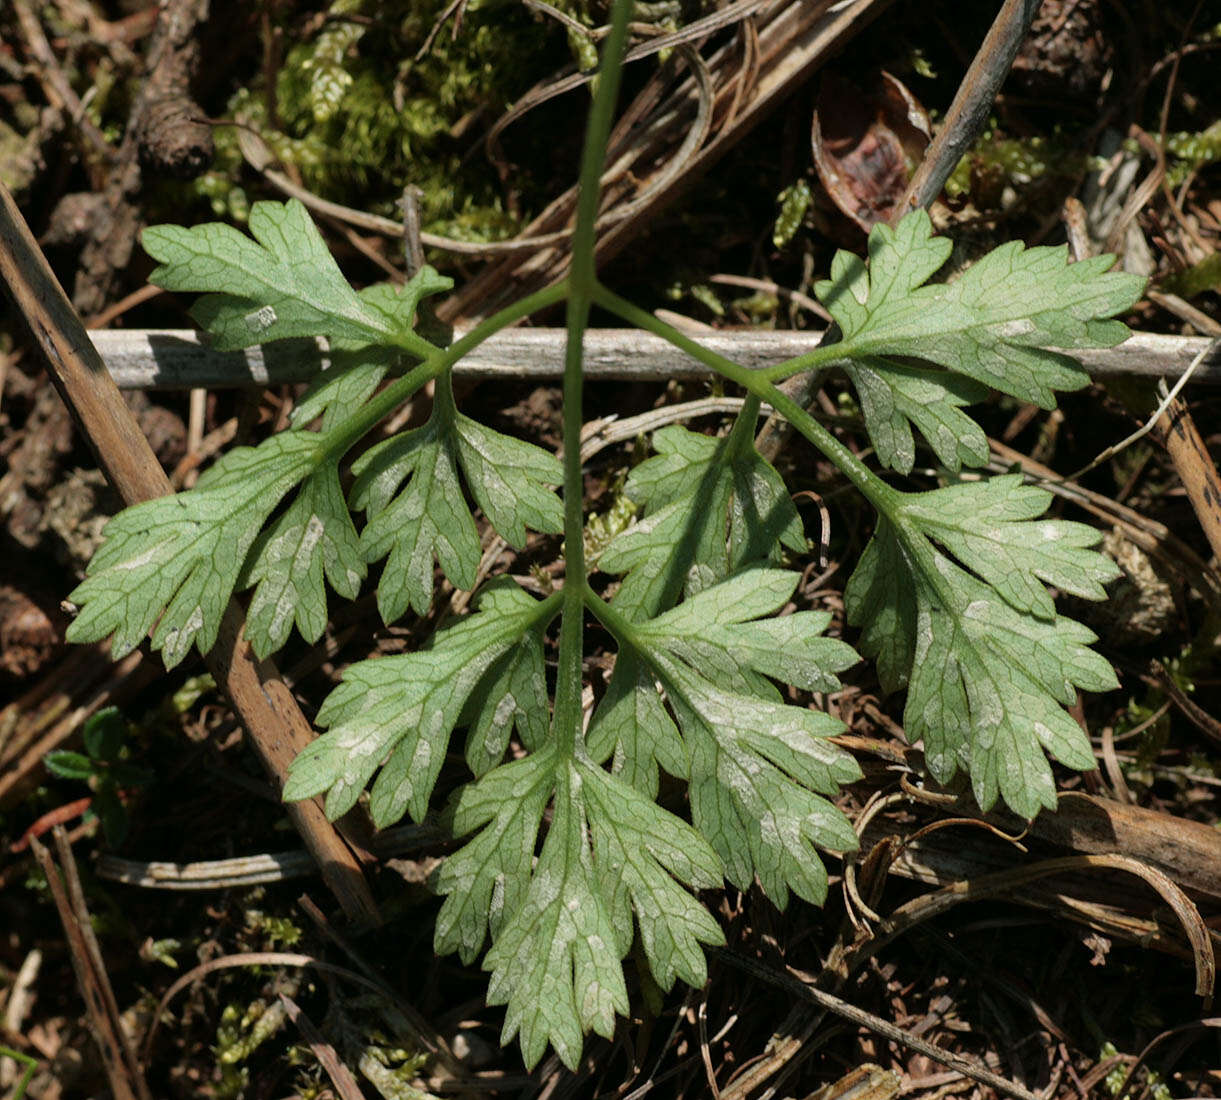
(569, 858)
(102, 766)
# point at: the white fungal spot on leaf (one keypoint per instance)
(261, 319)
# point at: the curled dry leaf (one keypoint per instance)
(866, 145)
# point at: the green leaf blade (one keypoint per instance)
(511, 480)
(407, 706)
(759, 771)
(427, 520)
(641, 855)
(993, 528)
(988, 681)
(312, 543)
(179, 558)
(555, 965)
(1004, 323)
(283, 284)
(709, 511)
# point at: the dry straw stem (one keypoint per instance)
(1177, 432)
(274, 722)
(179, 359)
(118, 1058)
(920, 909)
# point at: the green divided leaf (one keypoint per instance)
(710, 506)
(513, 695)
(180, 557)
(632, 723)
(758, 774)
(402, 710)
(895, 397)
(758, 770)
(510, 480)
(561, 928)
(712, 632)
(988, 664)
(486, 880)
(994, 324)
(339, 391)
(311, 543)
(429, 518)
(993, 528)
(284, 283)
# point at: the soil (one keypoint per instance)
(1061, 986)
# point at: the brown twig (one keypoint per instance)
(118, 1058)
(962, 125)
(341, 1077)
(828, 1001)
(277, 728)
(969, 110)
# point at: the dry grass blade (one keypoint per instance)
(924, 908)
(118, 1058)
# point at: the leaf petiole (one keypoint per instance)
(873, 488)
(345, 435)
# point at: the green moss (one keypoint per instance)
(1206, 275)
(360, 117)
(1018, 161)
(1191, 152)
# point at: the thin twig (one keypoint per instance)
(876, 1024)
(179, 359)
(341, 1077)
(225, 874)
(1168, 400)
(701, 1018)
(122, 1069)
(413, 246)
(969, 110)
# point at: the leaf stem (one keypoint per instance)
(884, 498)
(346, 434)
(582, 281)
(811, 360)
(619, 625)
